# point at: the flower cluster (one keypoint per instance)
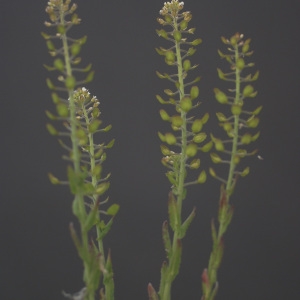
(172, 7)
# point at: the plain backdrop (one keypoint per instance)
(262, 254)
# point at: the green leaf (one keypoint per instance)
(92, 217)
(185, 225)
(166, 239)
(173, 213)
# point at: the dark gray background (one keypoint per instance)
(38, 260)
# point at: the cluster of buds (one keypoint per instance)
(240, 121)
(186, 130)
(62, 18)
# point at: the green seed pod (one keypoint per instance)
(227, 127)
(205, 118)
(59, 64)
(186, 65)
(255, 136)
(176, 121)
(107, 128)
(255, 76)
(62, 110)
(51, 129)
(102, 188)
(199, 138)
(257, 111)
(245, 172)
(245, 48)
(236, 109)
(246, 139)
(183, 24)
(194, 92)
(165, 150)
(55, 98)
(191, 51)
(216, 159)
(240, 64)
(221, 117)
(61, 29)
(202, 177)
(168, 18)
(196, 42)
(191, 150)
(162, 33)
(220, 96)
(170, 138)
(164, 115)
(207, 146)
(96, 171)
(248, 90)
(161, 137)
(170, 56)
(50, 115)
(195, 164)
(113, 209)
(50, 85)
(177, 35)
(53, 179)
(197, 126)
(233, 40)
(110, 144)
(82, 137)
(95, 112)
(252, 122)
(236, 159)
(50, 45)
(186, 104)
(221, 74)
(219, 145)
(75, 49)
(70, 82)
(212, 172)
(93, 127)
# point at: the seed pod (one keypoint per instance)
(62, 110)
(70, 82)
(236, 109)
(170, 138)
(240, 64)
(177, 36)
(202, 177)
(186, 65)
(59, 64)
(194, 92)
(220, 96)
(186, 104)
(248, 90)
(164, 115)
(197, 126)
(191, 150)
